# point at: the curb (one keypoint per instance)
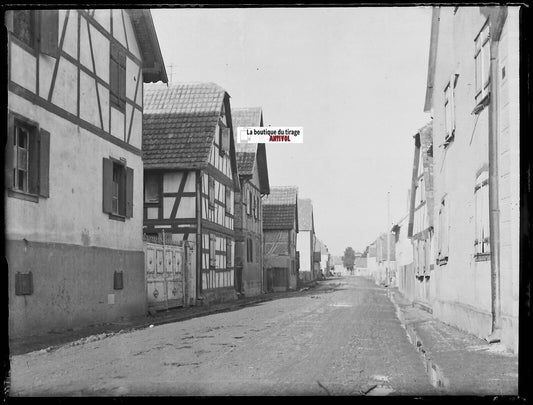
(434, 372)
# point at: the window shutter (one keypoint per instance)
(129, 192)
(49, 32)
(225, 139)
(107, 186)
(9, 155)
(44, 163)
(9, 20)
(122, 79)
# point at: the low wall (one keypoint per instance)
(73, 286)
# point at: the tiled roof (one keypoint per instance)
(305, 214)
(246, 117)
(280, 208)
(179, 123)
(282, 195)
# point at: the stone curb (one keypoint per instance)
(435, 373)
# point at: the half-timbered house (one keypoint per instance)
(190, 176)
(280, 231)
(420, 228)
(73, 176)
(253, 176)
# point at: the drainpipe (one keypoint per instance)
(496, 22)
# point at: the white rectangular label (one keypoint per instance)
(270, 135)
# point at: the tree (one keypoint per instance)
(348, 260)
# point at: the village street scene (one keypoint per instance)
(263, 201)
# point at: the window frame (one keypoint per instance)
(37, 159)
(156, 178)
(481, 216)
(125, 175)
(443, 243)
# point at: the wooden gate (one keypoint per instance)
(167, 271)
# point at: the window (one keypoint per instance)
(223, 137)
(151, 188)
(25, 24)
(27, 159)
(228, 253)
(250, 202)
(117, 77)
(481, 200)
(212, 251)
(482, 63)
(249, 251)
(442, 256)
(228, 199)
(449, 110)
(211, 192)
(117, 188)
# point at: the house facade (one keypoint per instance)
(404, 258)
(73, 176)
(421, 227)
(473, 95)
(280, 233)
(306, 240)
(190, 177)
(253, 175)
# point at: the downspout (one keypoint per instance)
(494, 209)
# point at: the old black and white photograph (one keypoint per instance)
(221, 200)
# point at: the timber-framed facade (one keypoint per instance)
(73, 178)
(191, 177)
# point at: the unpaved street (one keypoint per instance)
(343, 338)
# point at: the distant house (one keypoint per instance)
(473, 96)
(420, 228)
(404, 258)
(253, 175)
(306, 240)
(280, 231)
(190, 177)
(73, 168)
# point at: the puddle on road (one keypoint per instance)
(340, 304)
(380, 390)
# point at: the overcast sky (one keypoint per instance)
(353, 78)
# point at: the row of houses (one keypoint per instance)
(124, 193)
(457, 246)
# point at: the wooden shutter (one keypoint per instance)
(129, 192)
(49, 32)
(9, 155)
(114, 75)
(107, 181)
(44, 163)
(228, 253)
(225, 139)
(33, 161)
(121, 78)
(9, 20)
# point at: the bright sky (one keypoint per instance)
(353, 78)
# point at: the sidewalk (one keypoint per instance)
(53, 340)
(458, 363)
